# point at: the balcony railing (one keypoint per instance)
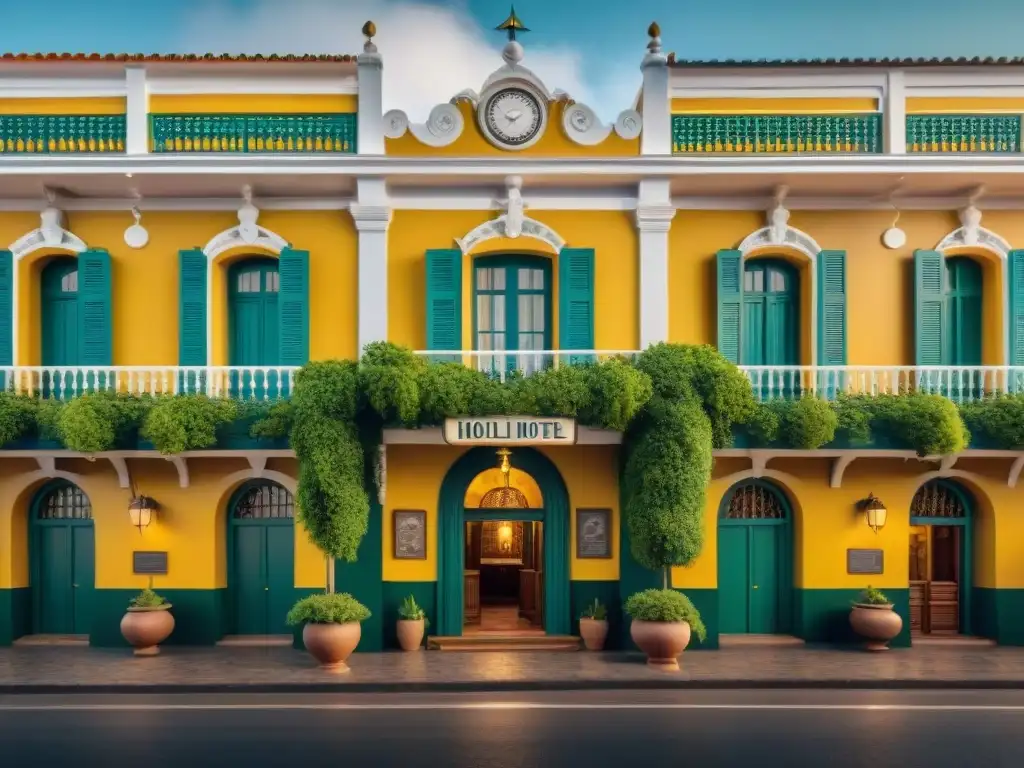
(963, 133)
(506, 364)
(254, 133)
(61, 134)
(807, 134)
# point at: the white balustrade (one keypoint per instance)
(503, 364)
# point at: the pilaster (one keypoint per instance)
(372, 216)
(654, 214)
(656, 138)
(894, 114)
(136, 111)
(370, 77)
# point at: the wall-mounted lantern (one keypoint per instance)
(875, 512)
(142, 510)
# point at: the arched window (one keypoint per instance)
(268, 501)
(66, 502)
(754, 501)
(939, 499)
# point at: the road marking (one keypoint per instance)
(507, 705)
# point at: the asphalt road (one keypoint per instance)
(702, 729)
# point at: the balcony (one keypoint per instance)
(316, 134)
(963, 133)
(961, 384)
(779, 134)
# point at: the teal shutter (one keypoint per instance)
(6, 311)
(1015, 265)
(831, 319)
(729, 270)
(293, 307)
(444, 299)
(576, 300)
(192, 308)
(95, 339)
(929, 307)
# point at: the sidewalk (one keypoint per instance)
(195, 670)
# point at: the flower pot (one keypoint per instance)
(594, 632)
(877, 624)
(410, 634)
(662, 641)
(146, 628)
(332, 644)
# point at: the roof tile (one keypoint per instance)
(177, 57)
(949, 61)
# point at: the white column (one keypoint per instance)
(370, 76)
(136, 111)
(656, 138)
(654, 214)
(895, 114)
(372, 215)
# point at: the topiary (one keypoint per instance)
(337, 608)
(665, 605)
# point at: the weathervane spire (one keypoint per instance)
(511, 25)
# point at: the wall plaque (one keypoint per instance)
(410, 534)
(864, 561)
(593, 533)
(149, 563)
(510, 430)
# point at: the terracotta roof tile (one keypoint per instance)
(177, 57)
(949, 61)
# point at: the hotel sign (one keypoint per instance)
(510, 430)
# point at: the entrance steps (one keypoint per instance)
(498, 642)
(946, 641)
(53, 640)
(761, 641)
(255, 641)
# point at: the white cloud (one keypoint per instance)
(430, 53)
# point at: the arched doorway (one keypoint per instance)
(62, 557)
(261, 558)
(755, 564)
(941, 550)
(253, 324)
(452, 516)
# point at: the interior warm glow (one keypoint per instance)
(493, 478)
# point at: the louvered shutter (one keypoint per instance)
(729, 270)
(576, 301)
(929, 307)
(444, 300)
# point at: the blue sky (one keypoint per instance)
(592, 46)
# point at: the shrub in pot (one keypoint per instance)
(873, 618)
(147, 623)
(594, 626)
(412, 622)
(663, 620)
(330, 627)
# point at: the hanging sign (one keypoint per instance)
(510, 430)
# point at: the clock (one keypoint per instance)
(512, 118)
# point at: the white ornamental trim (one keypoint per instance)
(582, 125)
(49, 234)
(444, 125)
(495, 228)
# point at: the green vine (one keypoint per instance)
(186, 423)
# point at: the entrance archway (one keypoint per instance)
(755, 562)
(451, 531)
(941, 559)
(62, 559)
(261, 558)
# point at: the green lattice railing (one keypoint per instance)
(253, 133)
(963, 133)
(854, 133)
(46, 134)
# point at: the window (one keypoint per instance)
(263, 502)
(65, 503)
(512, 310)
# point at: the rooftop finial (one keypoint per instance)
(654, 32)
(511, 25)
(369, 32)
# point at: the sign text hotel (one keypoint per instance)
(510, 430)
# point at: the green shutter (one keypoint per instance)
(730, 303)
(94, 311)
(832, 308)
(192, 308)
(929, 307)
(6, 310)
(293, 307)
(444, 299)
(1015, 265)
(576, 300)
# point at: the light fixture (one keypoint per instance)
(142, 510)
(504, 495)
(875, 512)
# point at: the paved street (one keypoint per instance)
(654, 728)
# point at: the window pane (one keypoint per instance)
(499, 313)
(483, 279)
(273, 282)
(69, 283)
(748, 281)
(531, 312)
(483, 341)
(778, 281)
(531, 279)
(759, 281)
(483, 312)
(499, 278)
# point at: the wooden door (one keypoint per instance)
(936, 579)
(253, 326)
(751, 582)
(262, 577)
(60, 326)
(63, 564)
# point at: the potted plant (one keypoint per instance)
(330, 627)
(662, 622)
(412, 622)
(873, 618)
(594, 626)
(147, 623)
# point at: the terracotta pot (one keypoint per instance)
(146, 628)
(662, 641)
(877, 624)
(410, 633)
(594, 632)
(332, 644)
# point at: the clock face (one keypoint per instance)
(513, 117)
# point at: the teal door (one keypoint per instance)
(253, 326)
(963, 312)
(60, 325)
(62, 561)
(512, 311)
(771, 322)
(261, 556)
(754, 562)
